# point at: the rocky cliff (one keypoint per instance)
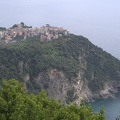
(57, 85)
(69, 68)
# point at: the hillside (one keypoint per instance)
(70, 68)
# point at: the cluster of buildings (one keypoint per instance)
(44, 33)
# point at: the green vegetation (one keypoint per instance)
(21, 24)
(14, 26)
(32, 57)
(18, 37)
(25, 26)
(101, 67)
(16, 104)
(39, 57)
(2, 28)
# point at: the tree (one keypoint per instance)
(22, 23)
(16, 104)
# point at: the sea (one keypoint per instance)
(111, 106)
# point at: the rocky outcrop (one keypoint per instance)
(57, 85)
(109, 90)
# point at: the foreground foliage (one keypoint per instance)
(16, 104)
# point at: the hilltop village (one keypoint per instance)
(23, 32)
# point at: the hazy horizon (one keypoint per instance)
(99, 21)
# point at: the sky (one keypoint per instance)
(97, 20)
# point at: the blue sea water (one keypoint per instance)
(111, 106)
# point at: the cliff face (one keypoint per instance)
(58, 86)
(70, 68)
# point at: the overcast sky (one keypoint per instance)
(98, 20)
